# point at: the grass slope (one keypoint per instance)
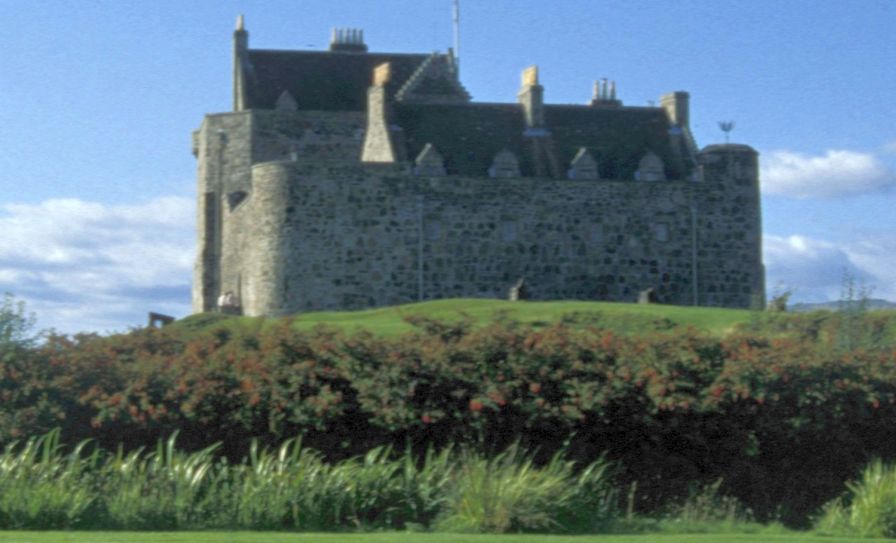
(269, 537)
(623, 318)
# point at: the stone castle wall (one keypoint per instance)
(323, 231)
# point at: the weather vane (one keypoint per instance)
(727, 127)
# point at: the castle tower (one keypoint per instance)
(731, 171)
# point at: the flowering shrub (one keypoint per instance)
(784, 420)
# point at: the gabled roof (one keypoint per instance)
(321, 80)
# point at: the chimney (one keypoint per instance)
(531, 96)
(382, 140)
(347, 40)
(605, 93)
(676, 105)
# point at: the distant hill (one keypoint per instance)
(871, 304)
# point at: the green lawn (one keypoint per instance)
(268, 537)
(623, 318)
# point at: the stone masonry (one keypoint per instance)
(403, 189)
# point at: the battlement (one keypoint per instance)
(348, 178)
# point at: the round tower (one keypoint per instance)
(731, 163)
(266, 265)
(731, 172)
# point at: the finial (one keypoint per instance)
(240, 23)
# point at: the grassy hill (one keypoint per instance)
(621, 317)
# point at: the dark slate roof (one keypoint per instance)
(469, 136)
(618, 137)
(321, 80)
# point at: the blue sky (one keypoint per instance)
(98, 100)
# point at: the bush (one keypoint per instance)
(784, 418)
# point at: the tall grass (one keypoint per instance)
(706, 509)
(293, 488)
(164, 489)
(41, 488)
(508, 493)
(869, 507)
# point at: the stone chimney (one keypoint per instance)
(381, 139)
(531, 96)
(677, 105)
(605, 94)
(349, 40)
(240, 59)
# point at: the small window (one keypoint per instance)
(235, 198)
(661, 231)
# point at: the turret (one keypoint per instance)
(266, 284)
(733, 169)
(240, 60)
(731, 164)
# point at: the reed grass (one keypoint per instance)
(869, 507)
(40, 487)
(293, 488)
(508, 493)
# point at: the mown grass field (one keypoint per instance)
(620, 317)
(388, 537)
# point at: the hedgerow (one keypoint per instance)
(783, 420)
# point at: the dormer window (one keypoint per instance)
(650, 168)
(429, 163)
(505, 165)
(286, 102)
(583, 166)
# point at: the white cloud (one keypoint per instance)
(890, 147)
(815, 269)
(836, 173)
(87, 266)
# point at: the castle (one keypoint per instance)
(347, 179)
